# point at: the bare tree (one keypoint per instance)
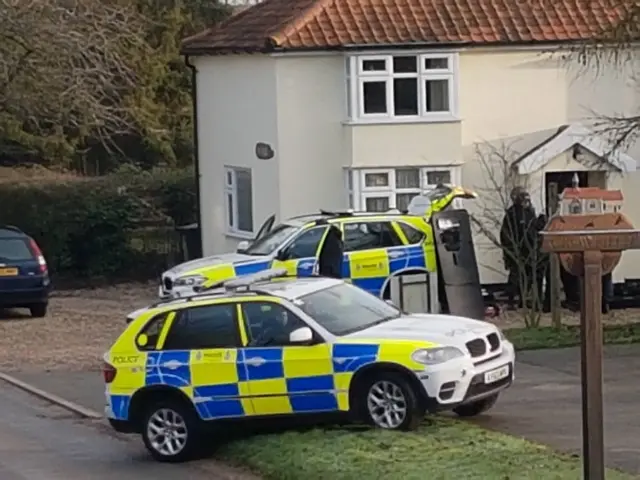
(520, 252)
(67, 70)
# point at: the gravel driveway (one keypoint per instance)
(78, 329)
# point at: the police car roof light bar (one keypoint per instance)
(340, 213)
(246, 281)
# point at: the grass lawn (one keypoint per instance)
(569, 336)
(442, 448)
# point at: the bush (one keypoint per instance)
(92, 227)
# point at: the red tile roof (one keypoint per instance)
(592, 193)
(326, 24)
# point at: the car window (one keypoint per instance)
(344, 309)
(413, 234)
(272, 240)
(306, 245)
(212, 326)
(269, 324)
(14, 250)
(152, 332)
(368, 235)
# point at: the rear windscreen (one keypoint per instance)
(14, 250)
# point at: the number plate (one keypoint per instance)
(8, 272)
(496, 375)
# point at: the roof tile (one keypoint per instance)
(324, 24)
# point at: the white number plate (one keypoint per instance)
(496, 375)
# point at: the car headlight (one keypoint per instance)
(433, 356)
(189, 281)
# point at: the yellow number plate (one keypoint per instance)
(8, 272)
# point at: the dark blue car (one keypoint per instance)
(24, 277)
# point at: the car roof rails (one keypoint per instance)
(11, 227)
(246, 281)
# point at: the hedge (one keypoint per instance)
(120, 226)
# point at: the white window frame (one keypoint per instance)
(357, 77)
(361, 192)
(231, 189)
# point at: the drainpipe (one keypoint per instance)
(196, 151)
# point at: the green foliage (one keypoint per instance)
(152, 124)
(119, 226)
(569, 336)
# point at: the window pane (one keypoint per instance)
(437, 95)
(229, 178)
(245, 200)
(350, 180)
(376, 179)
(230, 217)
(436, 177)
(269, 324)
(213, 326)
(369, 235)
(14, 250)
(407, 178)
(374, 65)
(436, 63)
(306, 245)
(374, 97)
(152, 331)
(377, 204)
(407, 64)
(403, 200)
(405, 96)
(413, 235)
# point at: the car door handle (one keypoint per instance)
(255, 361)
(396, 254)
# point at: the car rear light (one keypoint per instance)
(35, 249)
(109, 372)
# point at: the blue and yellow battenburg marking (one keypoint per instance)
(369, 269)
(227, 383)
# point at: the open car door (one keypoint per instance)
(265, 228)
(459, 289)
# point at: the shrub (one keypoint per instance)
(99, 227)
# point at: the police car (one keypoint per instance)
(267, 345)
(377, 246)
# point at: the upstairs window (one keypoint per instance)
(409, 87)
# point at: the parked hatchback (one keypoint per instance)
(24, 277)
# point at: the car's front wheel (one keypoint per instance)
(38, 310)
(476, 408)
(170, 431)
(387, 400)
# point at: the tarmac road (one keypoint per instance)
(41, 442)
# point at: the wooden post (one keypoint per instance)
(591, 352)
(554, 263)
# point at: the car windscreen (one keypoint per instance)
(344, 309)
(14, 250)
(272, 240)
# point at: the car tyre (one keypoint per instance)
(387, 400)
(38, 310)
(476, 408)
(171, 431)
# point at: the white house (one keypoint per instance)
(366, 103)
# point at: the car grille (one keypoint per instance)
(494, 341)
(477, 347)
(168, 283)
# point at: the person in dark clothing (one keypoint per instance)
(330, 260)
(519, 242)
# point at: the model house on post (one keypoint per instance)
(591, 201)
(366, 104)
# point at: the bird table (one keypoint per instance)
(590, 246)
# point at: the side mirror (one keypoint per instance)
(282, 255)
(301, 335)
(242, 246)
